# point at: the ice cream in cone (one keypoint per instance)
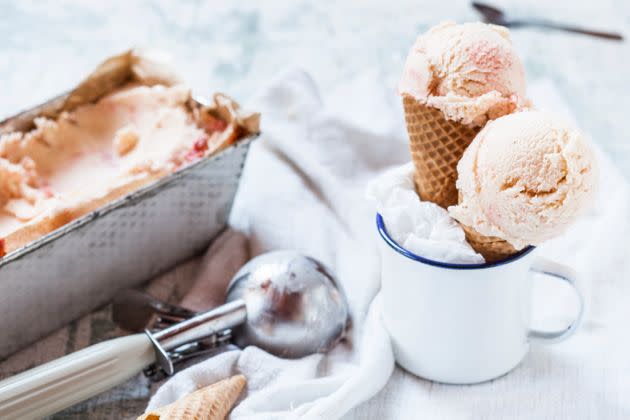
(456, 78)
(523, 180)
(213, 402)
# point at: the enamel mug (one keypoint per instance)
(463, 323)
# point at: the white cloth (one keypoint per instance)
(303, 188)
(421, 227)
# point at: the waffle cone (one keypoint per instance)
(436, 145)
(213, 402)
(492, 248)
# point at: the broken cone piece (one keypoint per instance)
(213, 402)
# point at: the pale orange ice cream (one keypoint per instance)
(469, 71)
(525, 178)
(66, 167)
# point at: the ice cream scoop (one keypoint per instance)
(525, 178)
(469, 71)
(282, 301)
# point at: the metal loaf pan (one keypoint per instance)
(80, 266)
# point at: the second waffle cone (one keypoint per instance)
(492, 248)
(213, 402)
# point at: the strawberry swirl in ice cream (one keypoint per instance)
(525, 178)
(470, 72)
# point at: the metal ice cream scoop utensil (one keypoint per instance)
(283, 302)
(494, 15)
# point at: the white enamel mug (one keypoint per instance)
(463, 323)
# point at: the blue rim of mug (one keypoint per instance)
(380, 225)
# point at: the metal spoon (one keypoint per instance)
(494, 15)
(284, 302)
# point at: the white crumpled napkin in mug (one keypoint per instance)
(421, 227)
(303, 188)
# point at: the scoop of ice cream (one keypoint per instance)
(421, 227)
(469, 71)
(524, 178)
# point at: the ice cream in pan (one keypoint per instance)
(68, 166)
(510, 175)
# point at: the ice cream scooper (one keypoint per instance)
(282, 301)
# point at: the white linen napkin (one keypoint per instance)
(421, 227)
(303, 188)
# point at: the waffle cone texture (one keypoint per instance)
(213, 402)
(436, 145)
(492, 248)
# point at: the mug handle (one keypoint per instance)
(566, 274)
